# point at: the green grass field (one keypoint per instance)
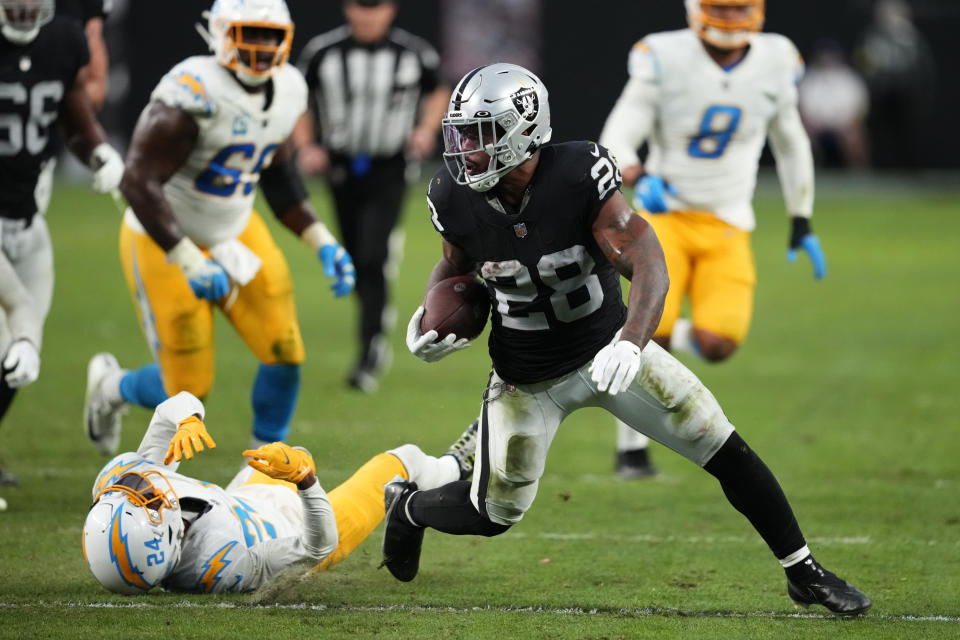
(846, 387)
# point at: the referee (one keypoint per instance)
(375, 100)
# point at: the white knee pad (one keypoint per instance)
(503, 515)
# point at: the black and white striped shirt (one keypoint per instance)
(365, 97)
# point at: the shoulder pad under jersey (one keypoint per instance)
(189, 86)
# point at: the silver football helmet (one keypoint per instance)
(133, 533)
(497, 118)
(20, 20)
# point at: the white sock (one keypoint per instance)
(428, 472)
(110, 387)
(449, 468)
(630, 440)
(682, 339)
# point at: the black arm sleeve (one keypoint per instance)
(96, 9)
(799, 227)
(282, 187)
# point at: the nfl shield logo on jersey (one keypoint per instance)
(240, 125)
(520, 229)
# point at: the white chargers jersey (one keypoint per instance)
(706, 126)
(213, 192)
(238, 538)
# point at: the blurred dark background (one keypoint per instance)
(583, 47)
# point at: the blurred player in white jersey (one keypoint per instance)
(705, 99)
(216, 127)
(151, 526)
(42, 106)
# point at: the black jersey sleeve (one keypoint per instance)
(447, 216)
(60, 50)
(597, 175)
(584, 172)
(83, 10)
(78, 44)
(96, 9)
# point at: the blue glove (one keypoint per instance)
(650, 193)
(209, 281)
(338, 264)
(803, 238)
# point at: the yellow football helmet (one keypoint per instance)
(725, 33)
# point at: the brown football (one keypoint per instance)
(458, 305)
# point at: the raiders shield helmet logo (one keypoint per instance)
(527, 103)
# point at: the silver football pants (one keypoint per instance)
(29, 252)
(666, 402)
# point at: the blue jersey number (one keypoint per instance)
(716, 129)
(220, 180)
(267, 150)
(255, 528)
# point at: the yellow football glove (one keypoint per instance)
(281, 461)
(190, 436)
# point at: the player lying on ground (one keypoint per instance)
(150, 525)
(548, 230)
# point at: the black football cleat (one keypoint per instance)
(402, 541)
(363, 379)
(635, 463)
(839, 596)
(7, 479)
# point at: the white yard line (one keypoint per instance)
(649, 538)
(571, 611)
(698, 540)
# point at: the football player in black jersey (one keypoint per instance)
(548, 230)
(40, 58)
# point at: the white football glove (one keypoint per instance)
(615, 366)
(107, 168)
(22, 363)
(423, 345)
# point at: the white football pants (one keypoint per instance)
(666, 401)
(29, 252)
